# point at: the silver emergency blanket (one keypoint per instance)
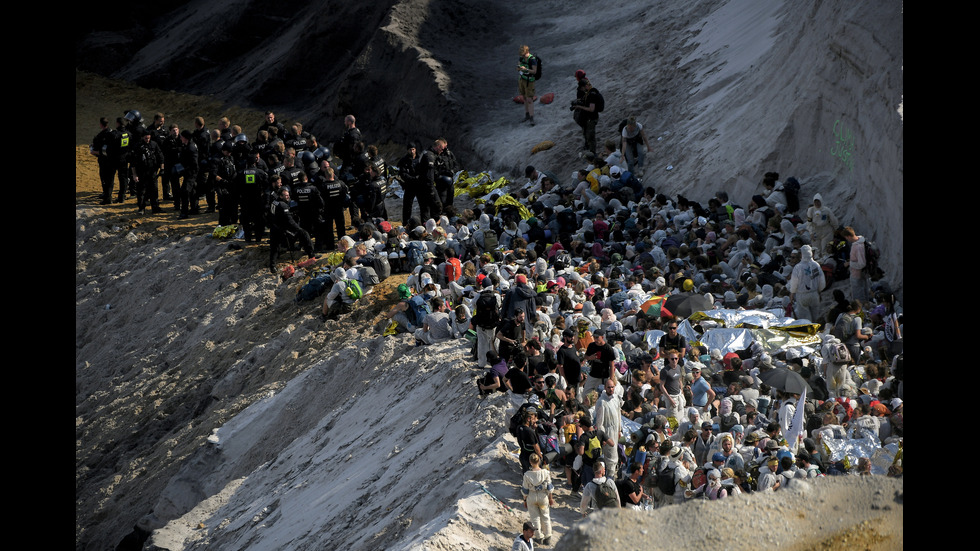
(857, 443)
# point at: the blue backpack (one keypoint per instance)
(418, 308)
(415, 254)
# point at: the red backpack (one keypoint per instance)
(454, 269)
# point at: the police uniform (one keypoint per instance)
(201, 139)
(283, 228)
(223, 173)
(250, 186)
(335, 199)
(429, 204)
(171, 180)
(188, 163)
(445, 169)
(309, 208)
(147, 160)
(406, 169)
(122, 143)
(101, 146)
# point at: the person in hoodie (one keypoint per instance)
(521, 297)
(858, 260)
(538, 492)
(822, 224)
(805, 285)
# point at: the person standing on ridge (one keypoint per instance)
(591, 105)
(528, 68)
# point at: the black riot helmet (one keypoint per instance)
(321, 153)
(307, 158)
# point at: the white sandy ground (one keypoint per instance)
(214, 410)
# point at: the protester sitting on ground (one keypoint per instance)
(338, 300)
(436, 327)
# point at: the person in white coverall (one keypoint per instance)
(608, 419)
(539, 497)
(822, 224)
(805, 285)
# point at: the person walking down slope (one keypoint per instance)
(527, 66)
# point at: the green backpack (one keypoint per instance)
(354, 290)
(606, 495)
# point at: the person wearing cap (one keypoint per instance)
(521, 297)
(600, 355)
(399, 312)
(805, 466)
(682, 473)
(534, 177)
(702, 396)
(525, 541)
(527, 438)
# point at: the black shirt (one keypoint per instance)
(568, 359)
(626, 487)
(601, 366)
(519, 380)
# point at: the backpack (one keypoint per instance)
(842, 326)
(600, 102)
(699, 478)
(872, 256)
(418, 308)
(593, 447)
(415, 254)
(791, 187)
(517, 420)
(665, 481)
(354, 290)
(489, 240)
(537, 69)
(368, 276)
(839, 354)
(605, 495)
(382, 267)
(487, 314)
(454, 269)
(726, 422)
